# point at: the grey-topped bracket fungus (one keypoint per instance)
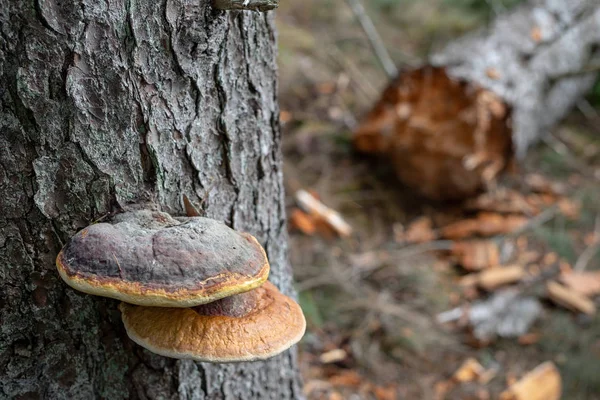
(149, 258)
(251, 326)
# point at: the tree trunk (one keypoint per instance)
(108, 103)
(540, 59)
(450, 127)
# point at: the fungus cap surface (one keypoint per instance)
(251, 326)
(148, 258)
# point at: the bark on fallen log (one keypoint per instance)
(453, 125)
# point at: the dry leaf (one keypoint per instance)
(346, 378)
(485, 224)
(303, 222)
(418, 231)
(469, 371)
(477, 255)
(569, 208)
(385, 393)
(543, 383)
(529, 339)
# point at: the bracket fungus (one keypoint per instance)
(151, 259)
(191, 287)
(250, 326)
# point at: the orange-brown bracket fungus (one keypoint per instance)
(250, 326)
(149, 258)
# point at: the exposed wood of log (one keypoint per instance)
(452, 126)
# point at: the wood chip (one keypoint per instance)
(542, 383)
(584, 283)
(569, 298)
(495, 277)
(469, 371)
(313, 206)
(333, 356)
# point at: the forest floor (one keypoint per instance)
(371, 301)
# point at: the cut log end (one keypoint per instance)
(446, 138)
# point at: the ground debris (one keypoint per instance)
(493, 278)
(506, 314)
(542, 383)
(570, 298)
(585, 283)
(316, 215)
(477, 254)
(302, 221)
(484, 224)
(418, 231)
(470, 370)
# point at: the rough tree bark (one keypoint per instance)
(107, 103)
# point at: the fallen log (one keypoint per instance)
(453, 125)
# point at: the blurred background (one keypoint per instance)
(411, 297)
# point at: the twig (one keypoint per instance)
(332, 217)
(535, 222)
(588, 254)
(588, 110)
(562, 149)
(416, 249)
(374, 38)
(118, 265)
